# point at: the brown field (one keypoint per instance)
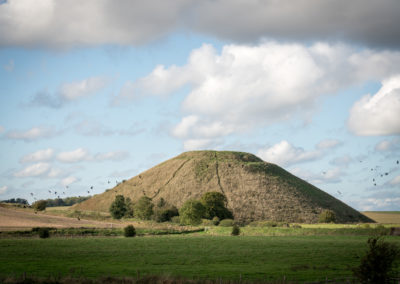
(384, 217)
(14, 218)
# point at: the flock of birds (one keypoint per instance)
(57, 194)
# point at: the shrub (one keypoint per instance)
(207, 222)
(161, 203)
(176, 219)
(129, 231)
(144, 208)
(226, 223)
(43, 233)
(40, 205)
(327, 216)
(214, 203)
(215, 221)
(271, 224)
(165, 214)
(235, 230)
(118, 207)
(191, 212)
(129, 213)
(377, 265)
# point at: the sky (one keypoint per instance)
(94, 92)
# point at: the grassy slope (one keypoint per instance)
(255, 190)
(386, 217)
(297, 258)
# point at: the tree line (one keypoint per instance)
(212, 205)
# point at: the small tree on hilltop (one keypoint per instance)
(327, 216)
(118, 207)
(191, 212)
(40, 205)
(214, 203)
(143, 209)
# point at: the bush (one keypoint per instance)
(207, 222)
(40, 205)
(214, 203)
(215, 221)
(327, 216)
(191, 212)
(377, 265)
(165, 214)
(129, 231)
(176, 219)
(235, 230)
(226, 223)
(43, 233)
(143, 208)
(118, 207)
(129, 208)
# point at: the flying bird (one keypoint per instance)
(91, 187)
(31, 194)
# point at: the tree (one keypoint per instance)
(40, 205)
(191, 212)
(129, 231)
(327, 216)
(118, 207)
(214, 203)
(377, 265)
(129, 208)
(165, 214)
(143, 209)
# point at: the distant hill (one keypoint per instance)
(255, 190)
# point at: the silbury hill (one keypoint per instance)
(255, 190)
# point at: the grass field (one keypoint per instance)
(385, 217)
(206, 257)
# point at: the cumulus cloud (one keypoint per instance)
(38, 156)
(284, 154)
(68, 180)
(395, 180)
(74, 156)
(111, 156)
(342, 161)
(388, 145)
(56, 23)
(328, 144)
(3, 189)
(34, 170)
(69, 92)
(378, 114)
(247, 86)
(332, 175)
(32, 134)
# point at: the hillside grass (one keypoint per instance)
(297, 258)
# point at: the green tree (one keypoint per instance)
(129, 208)
(143, 209)
(214, 203)
(118, 207)
(378, 263)
(191, 212)
(40, 205)
(327, 216)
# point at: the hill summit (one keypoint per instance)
(255, 190)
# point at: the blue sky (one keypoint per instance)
(93, 94)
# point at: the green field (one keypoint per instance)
(297, 258)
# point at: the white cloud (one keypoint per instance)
(248, 86)
(76, 90)
(3, 189)
(68, 180)
(32, 134)
(332, 175)
(54, 173)
(38, 156)
(285, 154)
(388, 145)
(328, 144)
(69, 92)
(111, 156)
(34, 170)
(9, 67)
(388, 203)
(92, 22)
(74, 156)
(1, 129)
(342, 161)
(395, 180)
(197, 144)
(378, 114)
